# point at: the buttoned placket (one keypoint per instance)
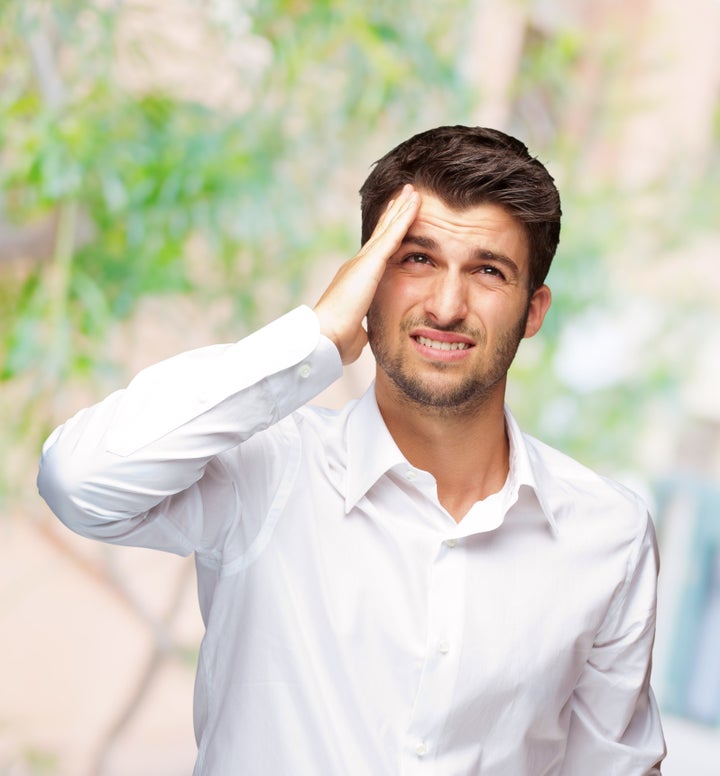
(433, 701)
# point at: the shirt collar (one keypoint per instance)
(371, 449)
(526, 470)
(372, 452)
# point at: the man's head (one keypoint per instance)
(466, 166)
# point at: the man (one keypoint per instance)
(410, 585)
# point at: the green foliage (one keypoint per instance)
(157, 192)
(149, 171)
(154, 192)
(38, 762)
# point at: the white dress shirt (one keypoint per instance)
(353, 627)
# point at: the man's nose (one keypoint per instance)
(447, 302)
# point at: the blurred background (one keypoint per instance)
(177, 172)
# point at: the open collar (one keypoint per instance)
(372, 452)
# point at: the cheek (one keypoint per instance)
(499, 317)
(396, 295)
(409, 290)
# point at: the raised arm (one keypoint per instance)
(132, 469)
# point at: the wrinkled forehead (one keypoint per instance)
(482, 222)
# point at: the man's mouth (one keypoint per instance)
(438, 345)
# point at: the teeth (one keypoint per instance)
(430, 343)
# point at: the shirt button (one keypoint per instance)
(443, 647)
(451, 542)
(410, 474)
(421, 750)
(305, 371)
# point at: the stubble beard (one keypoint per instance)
(448, 397)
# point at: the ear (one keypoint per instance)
(539, 305)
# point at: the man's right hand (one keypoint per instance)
(344, 304)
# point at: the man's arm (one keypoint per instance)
(132, 468)
(615, 726)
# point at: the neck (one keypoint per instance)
(466, 449)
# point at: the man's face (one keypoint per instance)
(453, 305)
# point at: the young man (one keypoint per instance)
(410, 585)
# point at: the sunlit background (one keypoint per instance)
(177, 172)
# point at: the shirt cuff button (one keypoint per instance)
(305, 371)
(421, 750)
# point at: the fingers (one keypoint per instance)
(391, 228)
(343, 306)
(394, 221)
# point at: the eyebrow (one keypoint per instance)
(479, 254)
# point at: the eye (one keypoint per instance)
(491, 271)
(416, 258)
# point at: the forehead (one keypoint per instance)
(478, 226)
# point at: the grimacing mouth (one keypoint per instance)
(440, 345)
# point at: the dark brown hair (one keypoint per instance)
(467, 166)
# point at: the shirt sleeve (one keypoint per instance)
(615, 725)
(141, 467)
